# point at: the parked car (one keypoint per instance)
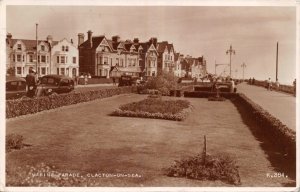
(224, 86)
(126, 80)
(15, 87)
(55, 84)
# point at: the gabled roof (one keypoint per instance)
(176, 56)
(31, 44)
(161, 46)
(96, 41)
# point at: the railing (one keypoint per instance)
(283, 88)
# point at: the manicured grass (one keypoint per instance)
(84, 139)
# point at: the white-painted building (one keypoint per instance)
(65, 58)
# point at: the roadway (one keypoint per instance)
(280, 105)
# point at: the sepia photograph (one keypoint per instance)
(147, 96)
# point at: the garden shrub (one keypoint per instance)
(14, 141)
(164, 82)
(156, 108)
(20, 107)
(221, 167)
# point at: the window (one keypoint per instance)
(121, 63)
(62, 59)
(105, 60)
(19, 58)
(31, 58)
(47, 59)
(43, 71)
(43, 47)
(66, 59)
(64, 82)
(63, 48)
(14, 58)
(117, 62)
(57, 60)
(19, 47)
(23, 58)
(43, 58)
(39, 59)
(19, 70)
(74, 60)
(129, 62)
(67, 48)
(57, 71)
(62, 71)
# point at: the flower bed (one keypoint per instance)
(20, 107)
(220, 167)
(156, 109)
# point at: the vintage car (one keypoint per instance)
(127, 80)
(224, 87)
(55, 84)
(15, 87)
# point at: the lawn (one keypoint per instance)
(84, 139)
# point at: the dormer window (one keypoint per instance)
(67, 48)
(63, 48)
(19, 47)
(43, 47)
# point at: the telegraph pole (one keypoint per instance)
(243, 66)
(277, 63)
(36, 33)
(230, 51)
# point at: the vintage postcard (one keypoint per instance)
(149, 96)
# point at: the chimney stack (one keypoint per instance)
(49, 39)
(80, 38)
(116, 38)
(90, 38)
(72, 41)
(9, 38)
(136, 40)
(153, 40)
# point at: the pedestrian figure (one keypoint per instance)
(232, 85)
(277, 85)
(114, 81)
(294, 84)
(250, 81)
(253, 81)
(269, 84)
(85, 79)
(31, 81)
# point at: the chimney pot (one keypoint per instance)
(80, 38)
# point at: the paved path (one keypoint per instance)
(280, 105)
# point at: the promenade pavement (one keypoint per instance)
(280, 105)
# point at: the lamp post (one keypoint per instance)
(230, 51)
(36, 33)
(243, 66)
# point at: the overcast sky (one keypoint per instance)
(208, 31)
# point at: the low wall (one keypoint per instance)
(20, 107)
(283, 88)
(96, 81)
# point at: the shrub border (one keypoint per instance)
(180, 116)
(19, 107)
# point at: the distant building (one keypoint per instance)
(21, 56)
(103, 57)
(178, 58)
(166, 56)
(147, 57)
(65, 58)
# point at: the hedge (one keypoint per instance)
(278, 133)
(20, 107)
(206, 94)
